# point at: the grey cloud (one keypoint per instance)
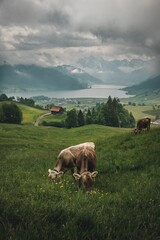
(132, 21)
(131, 27)
(57, 18)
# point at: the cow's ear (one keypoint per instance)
(60, 174)
(76, 176)
(94, 174)
(49, 170)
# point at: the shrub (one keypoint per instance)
(10, 113)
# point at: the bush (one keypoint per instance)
(10, 113)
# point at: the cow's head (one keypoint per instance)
(86, 179)
(136, 131)
(55, 175)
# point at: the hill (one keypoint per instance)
(151, 85)
(33, 77)
(147, 92)
(123, 204)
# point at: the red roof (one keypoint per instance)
(56, 109)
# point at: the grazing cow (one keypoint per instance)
(143, 123)
(67, 160)
(86, 162)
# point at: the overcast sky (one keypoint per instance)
(51, 32)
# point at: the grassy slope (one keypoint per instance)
(54, 118)
(123, 204)
(140, 111)
(30, 114)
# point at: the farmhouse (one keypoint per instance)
(56, 110)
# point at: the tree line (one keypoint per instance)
(112, 113)
(27, 101)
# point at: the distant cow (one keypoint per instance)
(86, 162)
(67, 160)
(143, 123)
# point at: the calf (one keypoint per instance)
(67, 160)
(86, 162)
(143, 123)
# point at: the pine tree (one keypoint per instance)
(71, 120)
(88, 117)
(94, 116)
(80, 118)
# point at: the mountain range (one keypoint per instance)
(86, 72)
(119, 72)
(31, 77)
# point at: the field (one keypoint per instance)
(124, 202)
(141, 111)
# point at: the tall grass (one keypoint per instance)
(124, 202)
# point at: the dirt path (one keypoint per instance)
(36, 123)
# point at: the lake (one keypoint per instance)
(96, 91)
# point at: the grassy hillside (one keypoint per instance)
(30, 114)
(147, 92)
(141, 111)
(123, 204)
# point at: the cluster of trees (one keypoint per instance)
(27, 101)
(112, 113)
(10, 113)
(134, 104)
(3, 97)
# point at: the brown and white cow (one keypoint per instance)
(67, 160)
(86, 162)
(143, 123)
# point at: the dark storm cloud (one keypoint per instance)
(136, 22)
(123, 27)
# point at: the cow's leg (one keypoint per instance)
(73, 170)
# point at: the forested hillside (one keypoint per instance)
(33, 77)
(151, 85)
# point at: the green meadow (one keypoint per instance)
(124, 202)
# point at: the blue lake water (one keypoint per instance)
(96, 91)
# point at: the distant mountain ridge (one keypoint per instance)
(79, 74)
(120, 72)
(36, 77)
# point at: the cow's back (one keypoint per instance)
(78, 148)
(143, 123)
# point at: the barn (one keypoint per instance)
(56, 110)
